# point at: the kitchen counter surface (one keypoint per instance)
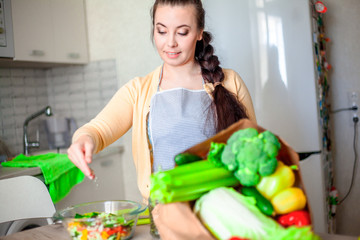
(58, 232)
(142, 232)
(10, 172)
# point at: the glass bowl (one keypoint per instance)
(101, 220)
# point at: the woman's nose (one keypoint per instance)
(171, 41)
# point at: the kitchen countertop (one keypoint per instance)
(142, 232)
(58, 232)
(9, 172)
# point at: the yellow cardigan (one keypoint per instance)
(129, 108)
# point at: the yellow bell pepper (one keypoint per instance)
(282, 178)
(289, 200)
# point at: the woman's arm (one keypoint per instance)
(234, 83)
(109, 125)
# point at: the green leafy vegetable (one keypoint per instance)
(214, 155)
(251, 155)
(227, 213)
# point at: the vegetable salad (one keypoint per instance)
(98, 226)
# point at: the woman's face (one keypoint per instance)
(176, 34)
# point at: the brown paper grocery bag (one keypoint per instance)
(177, 220)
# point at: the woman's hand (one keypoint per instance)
(80, 153)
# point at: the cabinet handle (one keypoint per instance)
(74, 55)
(38, 53)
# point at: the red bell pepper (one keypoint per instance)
(237, 238)
(298, 218)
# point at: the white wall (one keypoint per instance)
(342, 26)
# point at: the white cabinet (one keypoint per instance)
(51, 31)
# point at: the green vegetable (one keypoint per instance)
(214, 155)
(251, 155)
(297, 233)
(262, 203)
(189, 182)
(184, 158)
(227, 213)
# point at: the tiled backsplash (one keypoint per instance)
(78, 92)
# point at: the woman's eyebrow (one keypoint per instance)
(183, 25)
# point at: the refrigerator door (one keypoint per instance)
(269, 43)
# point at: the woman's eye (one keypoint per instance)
(161, 32)
(183, 33)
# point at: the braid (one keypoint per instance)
(228, 108)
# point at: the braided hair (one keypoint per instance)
(228, 109)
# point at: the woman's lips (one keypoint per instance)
(172, 54)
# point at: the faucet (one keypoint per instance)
(47, 111)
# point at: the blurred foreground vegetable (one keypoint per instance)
(262, 203)
(282, 178)
(189, 181)
(288, 200)
(251, 155)
(227, 213)
(298, 218)
(184, 158)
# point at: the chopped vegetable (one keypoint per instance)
(262, 203)
(189, 181)
(297, 218)
(227, 213)
(251, 155)
(289, 200)
(99, 226)
(184, 158)
(282, 178)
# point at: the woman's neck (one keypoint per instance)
(186, 76)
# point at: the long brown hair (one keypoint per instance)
(227, 107)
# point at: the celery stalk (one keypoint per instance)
(193, 192)
(200, 177)
(190, 192)
(191, 168)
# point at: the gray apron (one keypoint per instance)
(178, 119)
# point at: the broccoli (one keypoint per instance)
(250, 155)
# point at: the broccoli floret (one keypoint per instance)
(251, 155)
(272, 144)
(267, 166)
(233, 144)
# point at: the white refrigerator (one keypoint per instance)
(270, 44)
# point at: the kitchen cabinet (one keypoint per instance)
(52, 31)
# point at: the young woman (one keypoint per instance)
(181, 103)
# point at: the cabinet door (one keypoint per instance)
(33, 31)
(70, 35)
